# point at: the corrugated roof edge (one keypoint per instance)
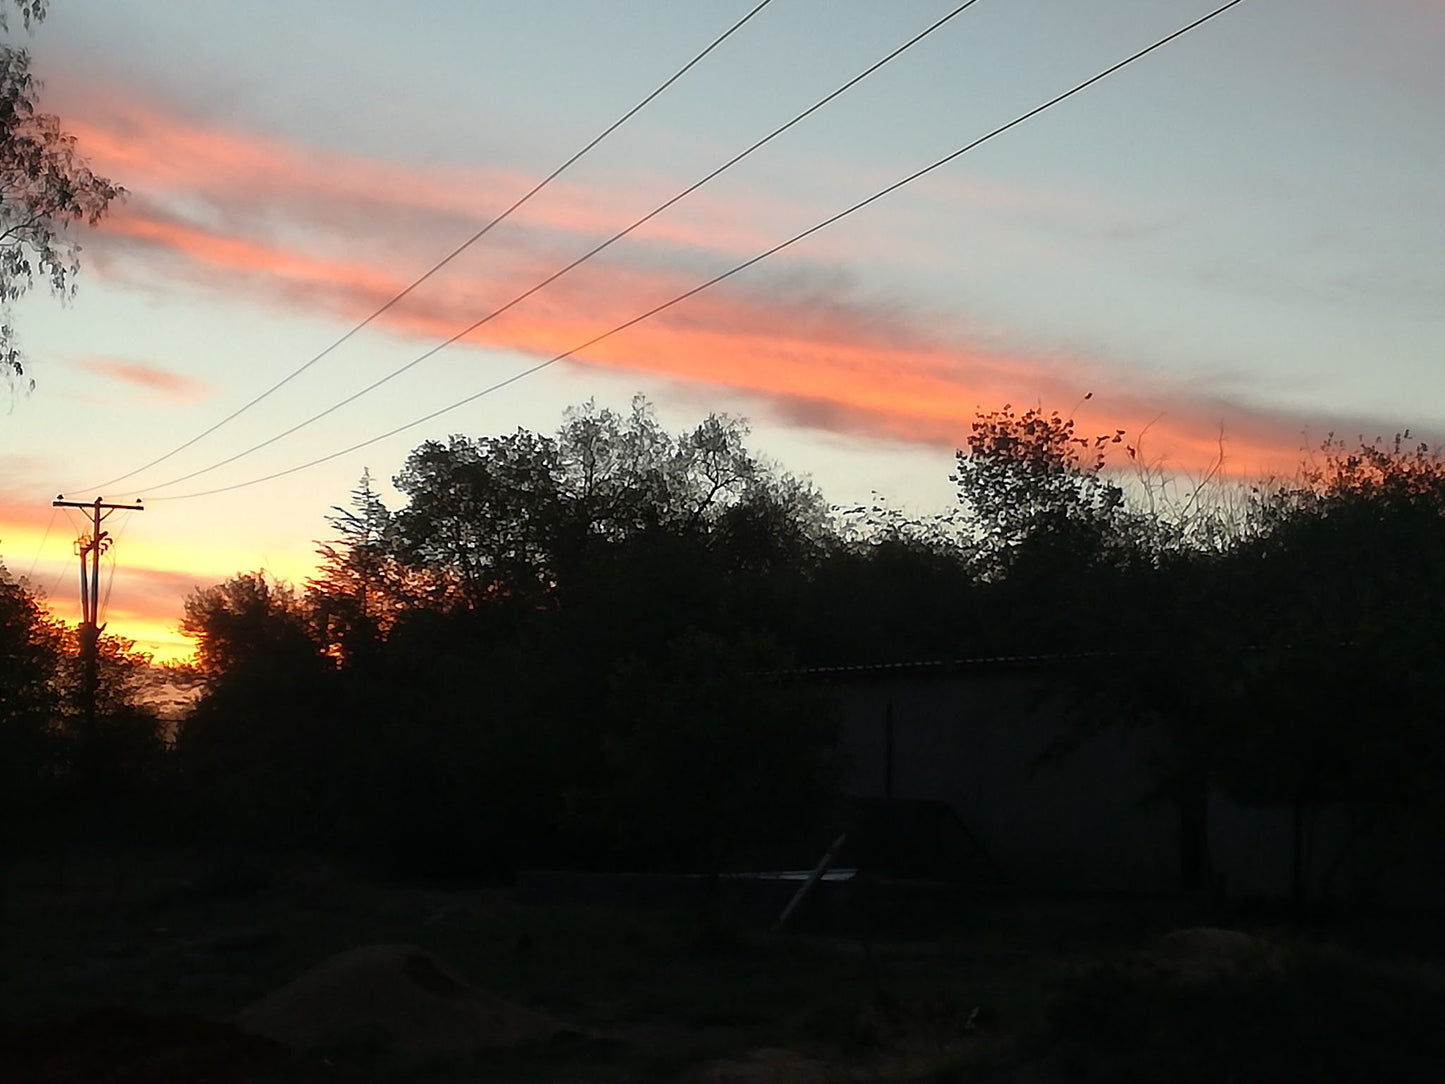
(939, 665)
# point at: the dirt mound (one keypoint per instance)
(120, 1046)
(394, 999)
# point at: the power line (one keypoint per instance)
(589, 254)
(110, 565)
(111, 562)
(473, 239)
(55, 583)
(43, 539)
(76, 528)
(1022, 118)
(65, 568)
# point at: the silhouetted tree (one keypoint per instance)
(360, 586)
(126, 677)
(1138, 597)
(117, 753)
(260, 747)
(1294, 665)
(67, 774)
(526, 518)
(706, 755)
(1337, 698)
(480, 518)
(30, 651)
(546, 560)
(32, 749)
(890, 587)
(1030, 483)
(1051, 531)
(250, 621)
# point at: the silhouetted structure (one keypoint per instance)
(1031, 802)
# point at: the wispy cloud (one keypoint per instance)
(242, 179)
(167, 383)
(320, 231)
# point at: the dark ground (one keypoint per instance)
(129, 970)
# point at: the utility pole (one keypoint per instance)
(90, 548)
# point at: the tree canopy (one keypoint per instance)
(580, 647)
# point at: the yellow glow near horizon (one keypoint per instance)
(144, 593)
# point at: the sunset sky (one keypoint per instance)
(1243, 234)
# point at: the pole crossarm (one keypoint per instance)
(97, 504)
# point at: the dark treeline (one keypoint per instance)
(578, 649)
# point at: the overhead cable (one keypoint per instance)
(589, 254)
(40, 550)
(881, 193)
(473, 239)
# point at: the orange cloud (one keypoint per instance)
(831, 364)
(245, 175)
(294, 225)
(213, 250)
(323, 231)
(169, 384)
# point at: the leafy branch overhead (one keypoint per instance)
(46, 186)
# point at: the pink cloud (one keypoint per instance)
(300, 227)
(23, 511)
(170, 385)
(242, 174)
(844, 365)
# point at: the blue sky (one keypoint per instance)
(1240, 234)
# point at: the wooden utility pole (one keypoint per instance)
(90, 548)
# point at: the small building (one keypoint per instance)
(995, 742)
